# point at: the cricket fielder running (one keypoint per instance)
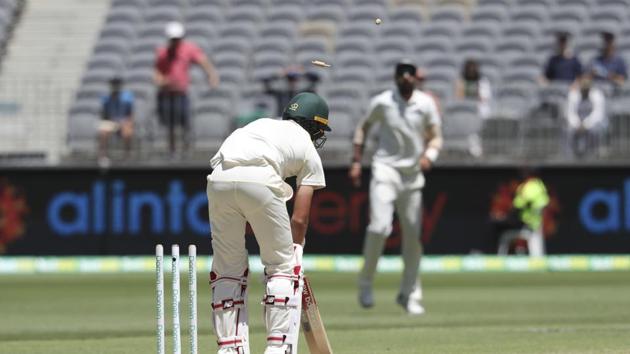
(247, 185)
(409, 140)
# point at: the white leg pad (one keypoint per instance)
(229, 313)
(283, 306)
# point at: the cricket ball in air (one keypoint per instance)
(378, 21)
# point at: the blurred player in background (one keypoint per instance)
(529, 201)
(247, 185)
(409, 140)
(171, 76)
(117, 117)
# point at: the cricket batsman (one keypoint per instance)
(409, 141)
(247, 185)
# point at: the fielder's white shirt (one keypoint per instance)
(403, 125)
(281, 147)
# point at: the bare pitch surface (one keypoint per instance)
(466, 312)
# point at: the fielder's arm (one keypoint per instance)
(360, 134)
(301, 212)
(433, 138)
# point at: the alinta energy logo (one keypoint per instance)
(501, 204)
(13, 208)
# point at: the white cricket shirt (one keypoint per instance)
(403, 126)
(281, 147)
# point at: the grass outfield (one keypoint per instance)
(466, 313)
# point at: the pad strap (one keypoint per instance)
(230, 342)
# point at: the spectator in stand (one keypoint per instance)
(586, 116)
(117, 117)
(171, 76)
(312, 80)
(563, 65)
(292, 76)
(472, 85)
(608, 66)
(282, 95)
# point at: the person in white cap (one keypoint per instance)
(171, 76)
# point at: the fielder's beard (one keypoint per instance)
(405, 89)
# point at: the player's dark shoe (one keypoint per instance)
(366, 299)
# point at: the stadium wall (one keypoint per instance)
(63, 211)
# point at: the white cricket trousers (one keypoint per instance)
(233, 204)
(389, 192)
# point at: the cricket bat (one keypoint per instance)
(312, 325)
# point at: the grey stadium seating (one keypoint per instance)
(252, 39)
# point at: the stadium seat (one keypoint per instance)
(243, 30)
(358, 30)
(531, 13)
(460, 126)
(497, 3)
(355, 60)
(406, 15)
(406, 30)
(367, 13)
(354, 75)
(523, 29)
(245, 15)
(521, 75)
(612, 16)
(441, 31)
(577, 15)
(432, 46)
(207, 14)
(129, 15)
(473, 48)
(361, 46)
(500, 137)
(480, 31)
(332, 13)
(162, 14)
(440, 62)
(272, 44)
(489, 14)
(238, 45)
(287, 12)
(281, 29)
(393, 46)
(513, 101)
(122, 30)
(513, 46)
(449, 15)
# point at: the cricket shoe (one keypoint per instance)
(411, 304)
(366, 298)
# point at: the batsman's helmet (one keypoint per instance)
(311, 112)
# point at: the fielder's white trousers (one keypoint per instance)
(389, 192)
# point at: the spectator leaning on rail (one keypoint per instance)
(563, 65)
(117, 117)
(608, 66)
(171, 76)
(586, 116)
